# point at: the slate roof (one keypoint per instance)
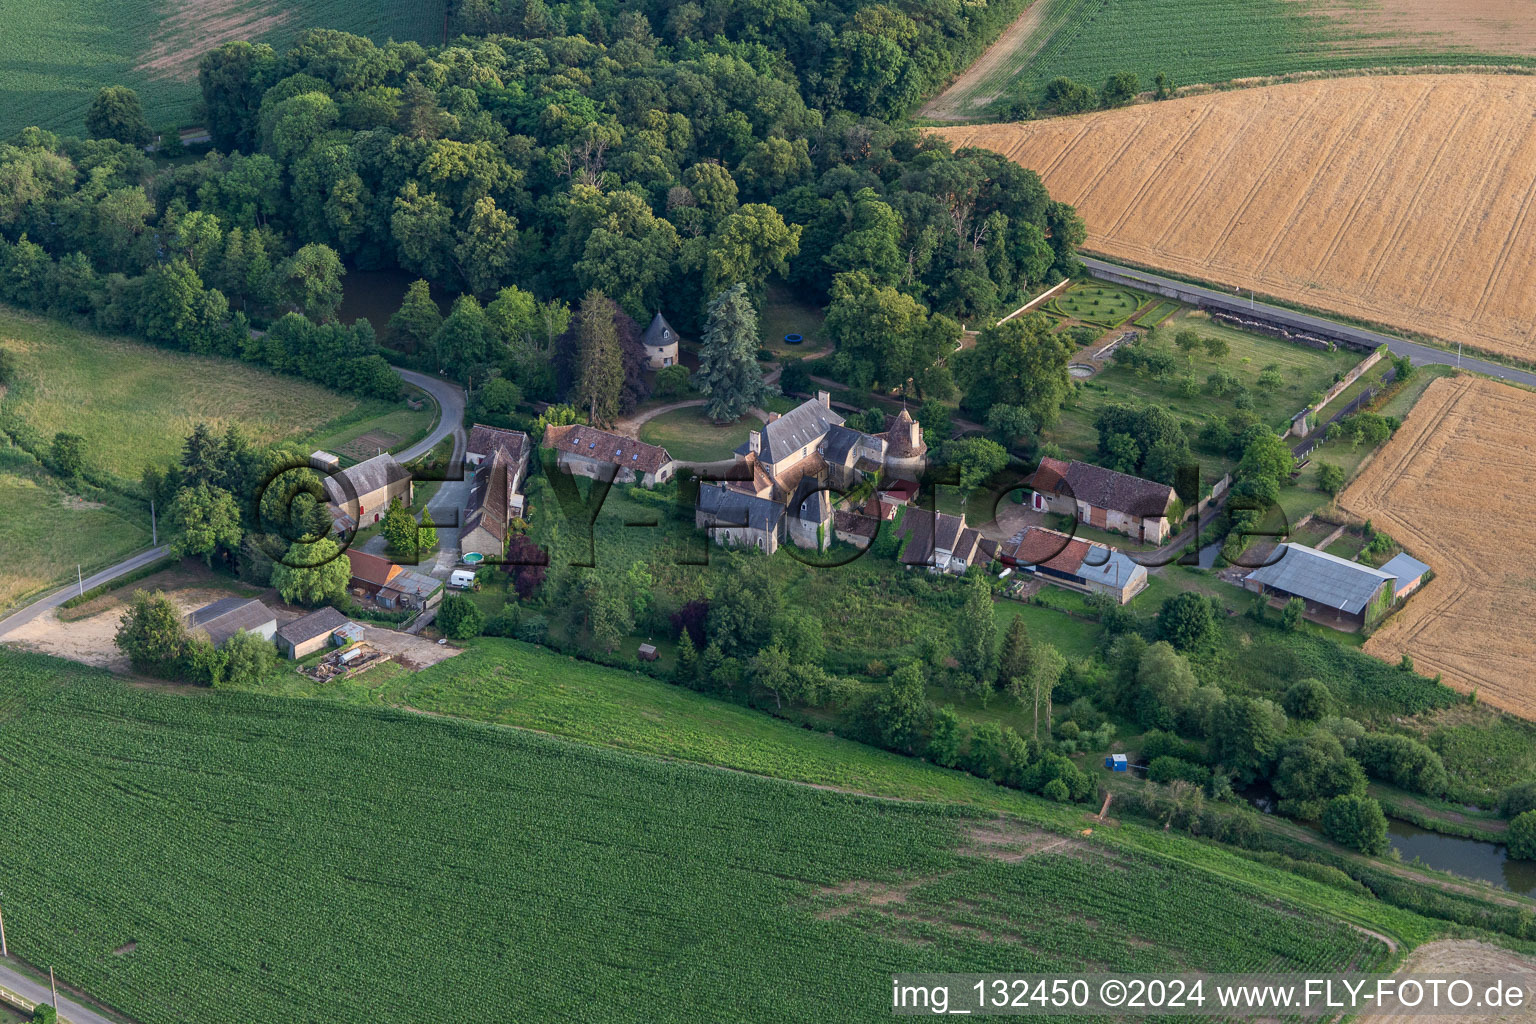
(366, 477)
(843, 442)
(1118, 492)
(1327, 579)
(486, 441)
(733, 508)
(659, 334)
(805, 424)
(318, 623)
(371, 569)
(490, 496)
(605, 446)
(227, 616)
(1405, 568)
(1110, 567)
(927, 533)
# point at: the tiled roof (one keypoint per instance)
(604, 446)
(485, 441)
(852, 522)
(365, 478)
(1327, 579)
(1050, 549)
(224, 618)
(1050, 474)
(898, 439)
(490, 497)
(320, 622)
(1118, 492)
(371, 569)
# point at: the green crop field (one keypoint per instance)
(134, 404)
(55, 54)
(1096, 303)
(238, 857)
(1200, 41)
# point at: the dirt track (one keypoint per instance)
(1405, 200)
(964, 98)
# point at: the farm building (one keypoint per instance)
(1076, 564)
(590, 452)
(494, 496)
(230, 615)
(364, 491)
(660, 342)
(369, 573)
(1104, 498)
(408, 589)
(1407, 573)
(304, 636)
(1338, 593)
(484, 442)
(942, 542)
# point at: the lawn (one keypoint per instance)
(1098, 303)
(54, 57)
(782, 314)
(1196, 41)
(690, 436)
(460, 866)
(374, 425)
(135, 404)
(46, 531)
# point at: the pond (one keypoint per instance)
(1471, 858)
(375, 295)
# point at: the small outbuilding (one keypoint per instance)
(1338, 593)
(224, 618)
(310, 633)
(660, 342)
(1407, 572)
(1117, 763)
(648, 652)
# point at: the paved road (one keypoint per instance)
(69, 1010)
(64, 593)
(1227, 301)
(450, 420)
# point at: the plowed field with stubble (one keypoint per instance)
(1456, 486)
(1405, 200)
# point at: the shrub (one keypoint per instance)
(1308, 699)
(672, 381)
(1173, 769)
(1522, 836)
(1518, 799)
(1356, 822)
(459, 618)
(1402, 761)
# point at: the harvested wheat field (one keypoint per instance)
(1404, 200)
(1452, 958)
(1456, 486)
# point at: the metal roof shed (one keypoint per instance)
(1407, 570)
(1326, 579)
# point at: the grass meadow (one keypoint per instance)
(459, 866)
(45, 531)
(55, 55)
(135, 404)
(689, 435)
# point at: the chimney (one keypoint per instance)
(914, 434)
(825, 399)
(755, 442)
(772, 416)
